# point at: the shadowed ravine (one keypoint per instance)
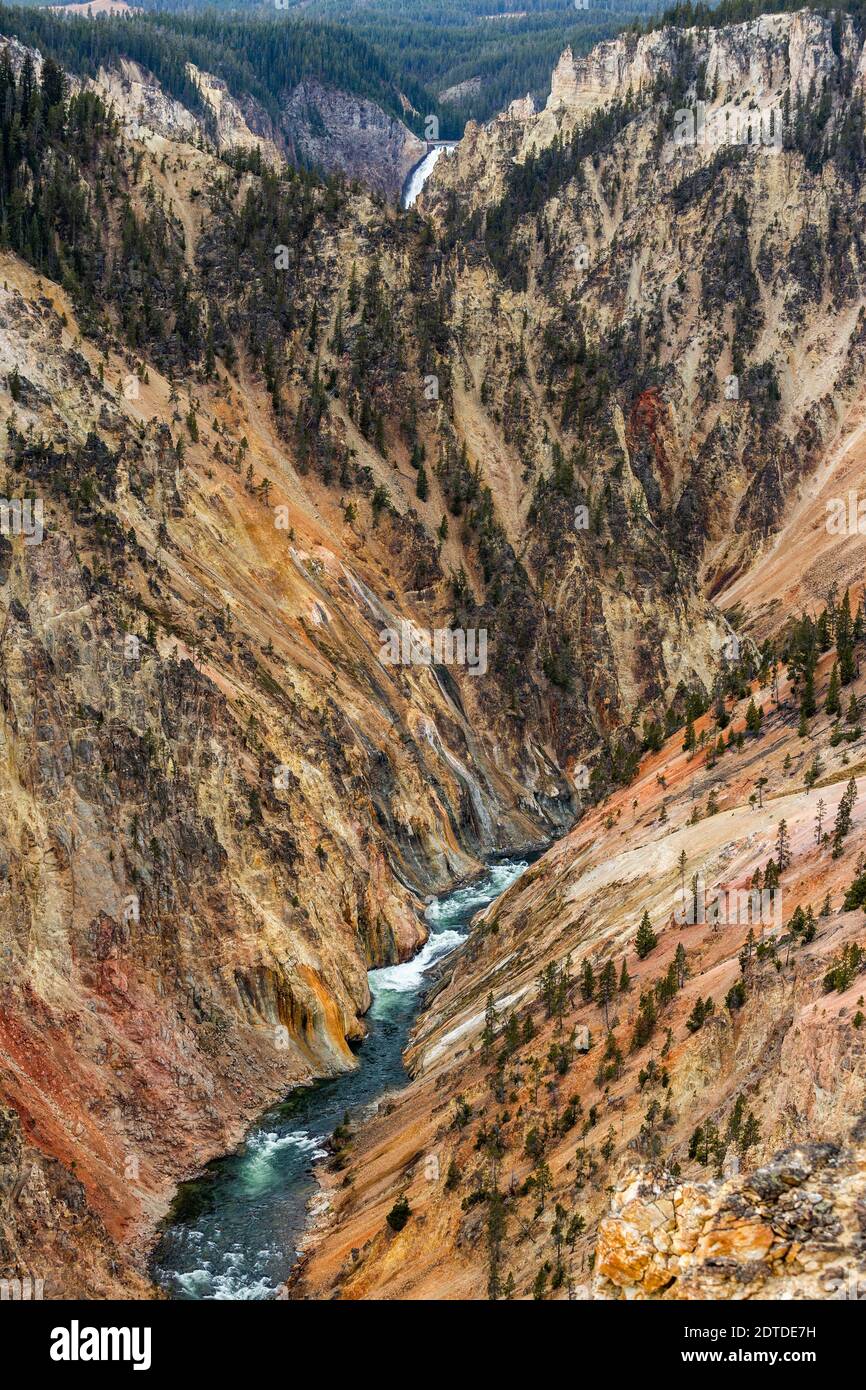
(235, 1230)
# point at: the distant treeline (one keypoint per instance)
(688, 16)
(442, 43)
(382, 50)
(259, 56)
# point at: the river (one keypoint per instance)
(233, 1232)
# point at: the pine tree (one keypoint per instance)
(354, 290)
(495, 1233)
(681, 865)
(735, 1120)
(751, 1133)
(624, 978)
(844, 642)
(754, 718)
(587, 981)
(399, 1214)
(807, 699)
(690, 740)
(606, 988)
(842, 823)
(511, 1033)
(811, 926)
(833, 704)
(338, 341)
(646, 939)
(707, 1145)
(783, 851)
(646, 1020)
(701, 1011)
(549, 982)
(542, 1181)
(488, 1035)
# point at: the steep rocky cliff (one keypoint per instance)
(535, 1094)
(685, 205)
(335, 132)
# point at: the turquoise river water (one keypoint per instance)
(234, 1230)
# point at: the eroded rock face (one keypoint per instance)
(50, 1239)
(140, 100)
(322, 128)
(792, 1229)
(238, 123)
(333, 131)
(610, 71)
(635, 241)
(763, 54)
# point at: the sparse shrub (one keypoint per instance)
(399, 1214)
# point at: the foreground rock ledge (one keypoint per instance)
(791, 1230)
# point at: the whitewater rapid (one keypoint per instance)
(235, 1231)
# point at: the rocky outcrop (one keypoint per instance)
(461, 90)
(141, 103)
(793, 1229)
(761, 56)
(52, 1244)
(332, 131)
(237, 123)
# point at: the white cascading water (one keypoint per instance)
(421, 173)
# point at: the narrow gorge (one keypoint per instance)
(432, 762)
